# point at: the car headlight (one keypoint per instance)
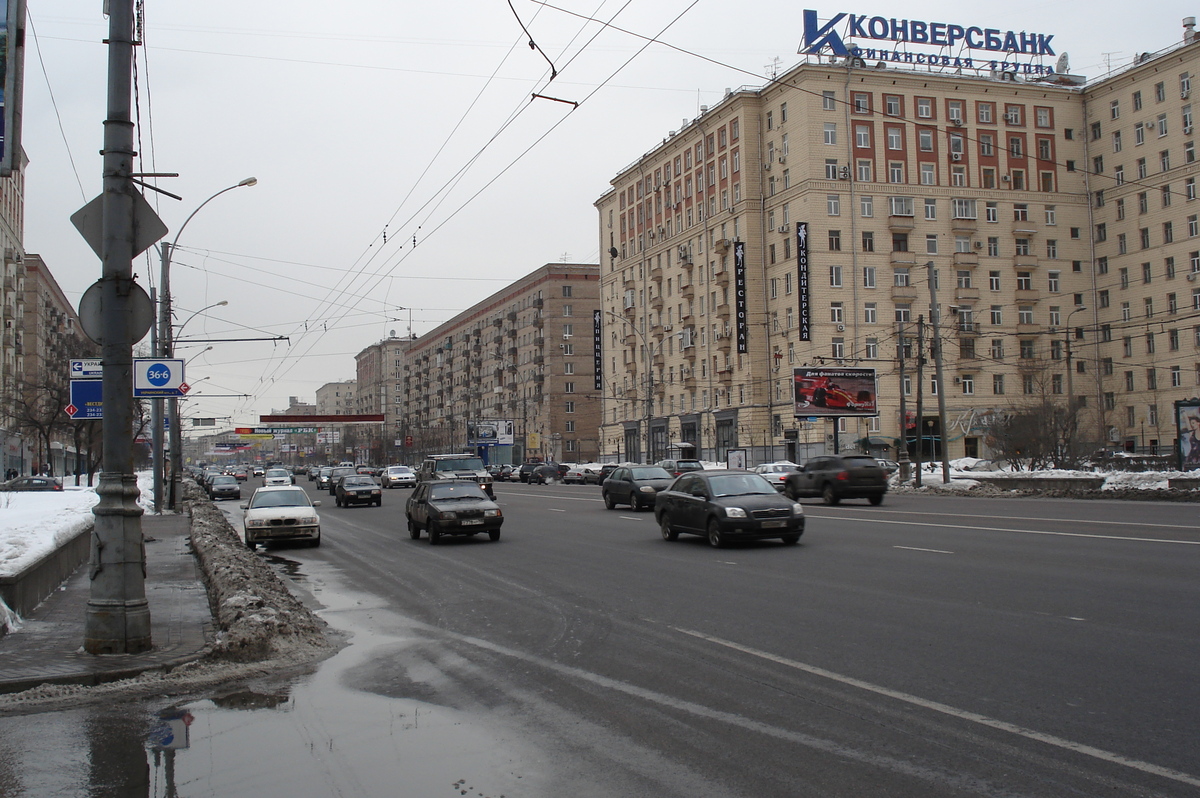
(491, 513)
(309, 520)
(797, 509)
(735, 512)
(447, 515)
(256, 522)
(647, 489)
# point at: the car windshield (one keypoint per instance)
(739, 485)
(399, 470)
(277, 472)
(223, 480)
(350, 482)
(652, 472)
(859, 462)
(460, 490)
(460, 464)
(325, 471)
(279, 498)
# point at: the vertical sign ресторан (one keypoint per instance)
(597, 348)
(739, 287)
(802, 280)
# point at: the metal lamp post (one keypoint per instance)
(1071, 408)
(165, 342)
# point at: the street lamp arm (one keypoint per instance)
(249, 181)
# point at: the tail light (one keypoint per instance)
(843, 475)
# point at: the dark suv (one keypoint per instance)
(836, 477)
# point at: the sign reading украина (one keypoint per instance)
(936, 34)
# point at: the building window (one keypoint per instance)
(828, 103)
(833, 204)
(866, 207)
(835, 240)
(968, 384)
(998, 384)
(831, 132)
(868, 241)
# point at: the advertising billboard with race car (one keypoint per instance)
(490, 433)
(834, 392)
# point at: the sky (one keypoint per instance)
(404, 172)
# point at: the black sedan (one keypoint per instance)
(727, 506)
(447, 507)
(635, 485)
(357, 490)
(224, 487)
(33, 483)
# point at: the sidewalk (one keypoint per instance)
(49, 646)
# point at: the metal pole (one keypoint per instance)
(902, 455)
(156, 420)
(117, 616)
(165, 350)
(920, 426)
(935, 317)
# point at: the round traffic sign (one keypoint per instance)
(158, 374)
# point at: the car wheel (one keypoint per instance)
(715, 538)
(668, 532)
(315, 542)
(608, 502)
(250, 544)
(494, 535)
(379, 502)
(414, 531)
(876, 500)
(337, 501)
(435, 536)
(790, 540)
(829, 496)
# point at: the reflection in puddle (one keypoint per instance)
(364, 724)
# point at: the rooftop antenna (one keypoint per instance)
(772, 67)
(1108, 60)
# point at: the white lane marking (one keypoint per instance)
(914, 548)
(553, 510)
(1029, 518)
(629, 517)
(961, 714)
(1029, 531)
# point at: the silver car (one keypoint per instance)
(398, 476)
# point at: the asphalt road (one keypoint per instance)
(931, 646)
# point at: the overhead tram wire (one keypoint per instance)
(54, 104)
(517, 112)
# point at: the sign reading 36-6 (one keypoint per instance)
(158, 377)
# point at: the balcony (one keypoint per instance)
(631, 338)
(512, 351)
(539, 341)
(904, 259)
(904, 293)
(539, 302)
(497, 339)
(724, 276)
(967, 328)
(512, 333)
(966, 294)
(964, 225)
(656, 272)
(657, 302)
(723, 342)
(688, 291)
(901, 224)
(1027, 295)
(511, 315)
(966, 259)
(538, 323)
(1025, 261)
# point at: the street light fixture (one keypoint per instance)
(165, 341)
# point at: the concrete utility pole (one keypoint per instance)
(118, 617)
(935, 317)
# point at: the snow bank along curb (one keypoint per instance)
(257, 618)
(21, 592)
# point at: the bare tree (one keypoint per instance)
(1043, 430)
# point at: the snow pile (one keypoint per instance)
(258, 618)
(36, 523)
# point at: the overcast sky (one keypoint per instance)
(414, 119)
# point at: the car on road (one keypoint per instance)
(283, 513)
(726, 506)
(278, 476)
(240, 474)
(525, 470)
(776, 473)
(337, 473)
(544, 474)
(358, 489)
(635, 485)
(677, 467)
(444, 507)
(224, 487)
(456, 467)
(32, 483)
(398, 476)
(312, 472)
(839, 476)
(258, 470)
(582, 475)
(323, 477)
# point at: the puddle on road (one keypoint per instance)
(304, 736)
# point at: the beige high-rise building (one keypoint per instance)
(892, 177)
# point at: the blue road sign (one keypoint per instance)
(87, 400)
(154, 377)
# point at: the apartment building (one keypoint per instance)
(802, 223)
(523, 356)
(17, 450)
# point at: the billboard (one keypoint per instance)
(1187, 421)
(834, 391)
(802, 280)
(12, 81)
(490, 432)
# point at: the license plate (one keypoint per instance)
(472, 522)
(776, 522)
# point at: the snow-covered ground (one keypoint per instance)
(36, 523)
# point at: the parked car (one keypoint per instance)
(776, 473)
(444, 507)
(635, 485)
(836, 477)
(278, 476)
(336, 474)
(889, 466)
(727, 506)
(281, 513)
(581, 475)
(32, 483)
(677, 467)
(525, 470)
(358, 489)
(398, 476)
(224, 487)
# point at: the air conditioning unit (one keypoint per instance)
(1191, 277)
(958, 380)
(1184, 94)
(978, 245)
(956, 156)
(782, 159)
(767, 166)
(1005, 178)
(1187, 128)
(784, 228)
(844, 173)
(956, 121)
(841, 328)
(1010, 119)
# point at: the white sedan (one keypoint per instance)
(281, 513)
(776, 473)
(278, 476)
